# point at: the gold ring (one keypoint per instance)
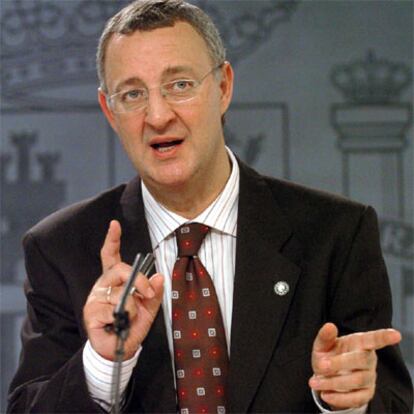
(108, 294)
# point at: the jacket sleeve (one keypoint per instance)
(50, 377)
(361, 301)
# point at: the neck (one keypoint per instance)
(191, 199)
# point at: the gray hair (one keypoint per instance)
(146, 15)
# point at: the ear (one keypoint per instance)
(106, 109)
(226, 86)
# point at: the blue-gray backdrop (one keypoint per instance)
(323, 97)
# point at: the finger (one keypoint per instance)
(143, 287)
(107, 299)
(110, 252)
(348, 361)
(345, 382)
(154, 288)
(130, 307)
(115, 276)
(148, 308)
(143, 290)
(371, 340)
(326, 338)
(109, 295)
(96, 316)
(157, 284)
(102, 295)
(152, 305)
(354, 399)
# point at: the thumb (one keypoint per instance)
(111, 249)
(326, 338)
(157, 283)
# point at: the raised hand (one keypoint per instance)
(105, 294)
(345, 367)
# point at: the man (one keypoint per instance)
(298, 274)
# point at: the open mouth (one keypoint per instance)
(166, 146)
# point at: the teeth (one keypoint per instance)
(166, 146)
(165, 149)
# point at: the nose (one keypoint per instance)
(158, 112)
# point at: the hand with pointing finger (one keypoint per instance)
(107, 291)
(345, 367)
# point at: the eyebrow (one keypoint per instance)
(173, 70)
(169, 71)
(133, 81)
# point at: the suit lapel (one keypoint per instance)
(153, 385)
(258, 312)
(135, 235)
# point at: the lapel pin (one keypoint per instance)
(281, 288)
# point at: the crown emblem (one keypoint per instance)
(372, 80)
(49, 45)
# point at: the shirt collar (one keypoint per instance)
(220, 215)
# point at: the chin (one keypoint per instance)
(179, 172)
(172, 179)
(173, 182)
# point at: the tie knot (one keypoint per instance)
(189, 238)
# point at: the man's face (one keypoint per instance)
(171, 145)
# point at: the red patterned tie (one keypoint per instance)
(200, 351)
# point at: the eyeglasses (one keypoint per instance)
(174, 92)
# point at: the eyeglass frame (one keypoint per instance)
(164, 93)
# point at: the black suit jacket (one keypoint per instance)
(326, 249)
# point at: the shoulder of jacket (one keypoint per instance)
(83, 216)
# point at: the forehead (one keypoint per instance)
(148, 55)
